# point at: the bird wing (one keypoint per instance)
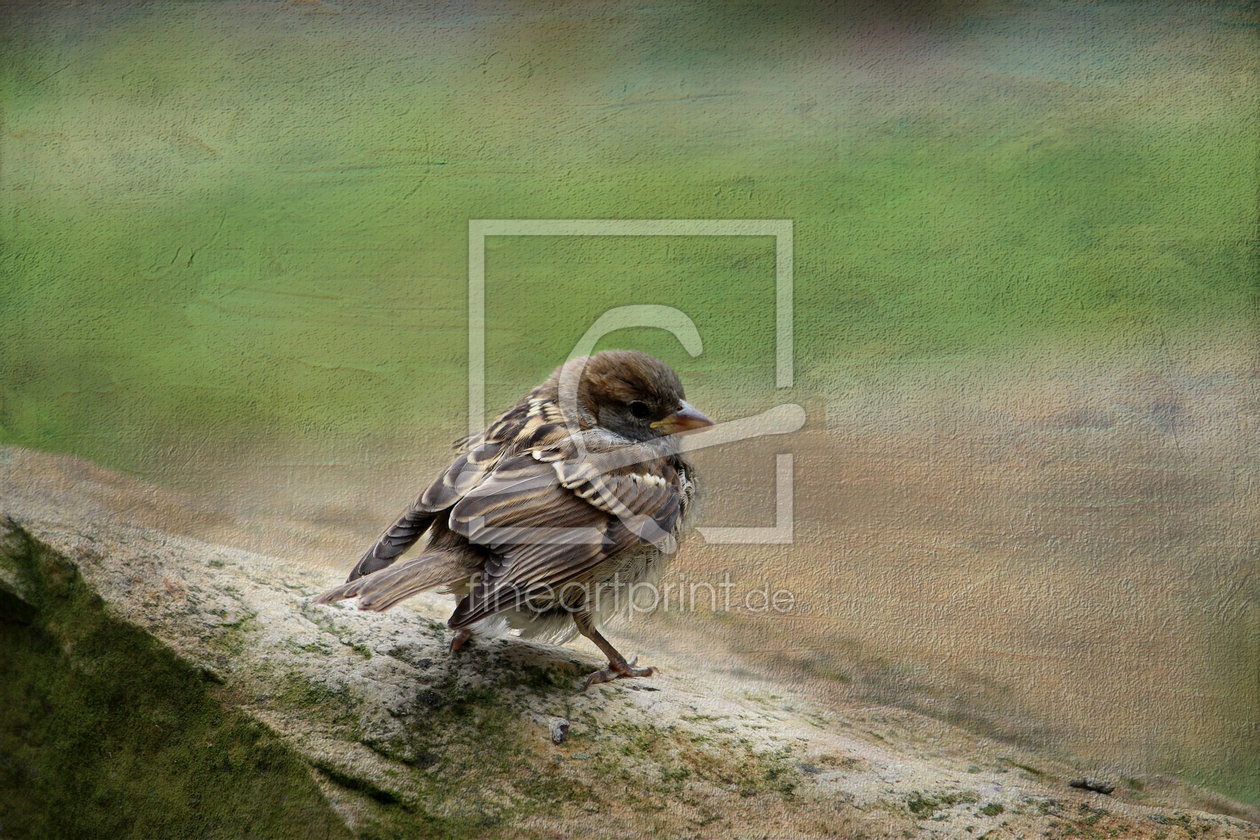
(479, 454)
(551, 514)
(532, 423)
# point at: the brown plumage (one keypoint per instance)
(545, 518)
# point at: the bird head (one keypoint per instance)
(629, 393)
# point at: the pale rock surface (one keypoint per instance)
(404, 739)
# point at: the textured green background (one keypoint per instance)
(226, 219)
(241, 228)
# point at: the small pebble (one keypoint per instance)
(559, 730)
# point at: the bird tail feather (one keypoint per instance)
(390, 545)
(386, 588)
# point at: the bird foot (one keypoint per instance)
(461, 636)
(617, 671)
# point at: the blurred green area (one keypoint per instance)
(249, 221)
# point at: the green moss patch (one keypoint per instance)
(925, 806)
(106, 733)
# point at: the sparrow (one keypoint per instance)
(544, 520)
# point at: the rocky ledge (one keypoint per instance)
(158, 685)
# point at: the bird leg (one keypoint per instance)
(461, 636)
(618, 667)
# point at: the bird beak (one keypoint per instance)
(684, 419)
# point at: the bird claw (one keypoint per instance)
(618, 671)
(461, 636)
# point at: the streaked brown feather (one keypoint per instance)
(561, 487)
(538, 500)
(411, 577)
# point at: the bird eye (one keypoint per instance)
(639, 409)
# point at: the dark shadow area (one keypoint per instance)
(105, 733)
